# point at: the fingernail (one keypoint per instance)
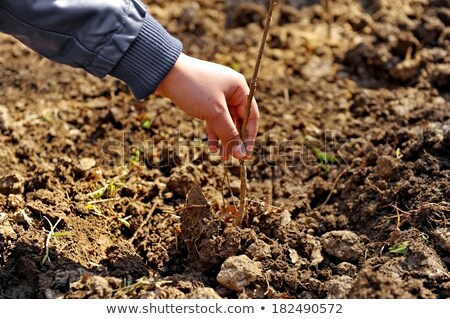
(213, 149)
(239, 151)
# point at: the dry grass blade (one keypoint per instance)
(49, 237)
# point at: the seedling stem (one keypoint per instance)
(244, 129)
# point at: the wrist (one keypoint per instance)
(150, 58)
(173, 77)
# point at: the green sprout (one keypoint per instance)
(109, 188)
(146, 124)
(98, 212)
(325, 158)
(235, 66)
(400, 248)
(423, 235)
(51, 234)
(134, 158)
(124, 221)
(93, 208)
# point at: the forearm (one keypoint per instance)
(103, 37)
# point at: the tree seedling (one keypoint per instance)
(326, 7)
(244, 128)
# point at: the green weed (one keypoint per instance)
(400, 248)
(108, 189)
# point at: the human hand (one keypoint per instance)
(216, 94)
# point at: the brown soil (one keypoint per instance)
(142, 210)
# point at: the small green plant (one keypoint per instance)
(423, 235)
(134, 158)
(398, 153)
(98, 212)
(93, 208)
(146, 124)
(52, 234)
(235, 66)
(399, 248)
(108, 189)
(324, 158)
(124, 221)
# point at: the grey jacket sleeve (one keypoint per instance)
(103, 37)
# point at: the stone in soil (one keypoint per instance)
(342, 244)
(11, 184)
(442, 237)
(238, 272)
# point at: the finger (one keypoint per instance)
(223, 126)
(223, 155)
(213, 140)
(253, 124)
(237, 102)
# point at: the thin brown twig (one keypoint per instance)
(145, 222)
(225, 175)
(326, 7)
(227, 179)
(374, 187)
(244, 129)
(229, 187)
(333, 187)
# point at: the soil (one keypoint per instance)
(102, 196)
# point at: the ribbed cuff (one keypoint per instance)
(148, 59)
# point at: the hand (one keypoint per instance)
(216, 94)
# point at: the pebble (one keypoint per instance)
(259, 250)
(442, 236)
(342, 244)
(346, 268)
(387, 167)
(4, 119)
(7, 233)
(203, 293)
(86, 164)
(11, 184)
(238, 272)
(338, 287)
